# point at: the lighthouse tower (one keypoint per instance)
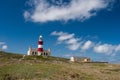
(39, 51)
(40, 45)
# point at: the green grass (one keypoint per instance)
(114, 70)
(15, 67)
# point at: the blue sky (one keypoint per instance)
(88, 28)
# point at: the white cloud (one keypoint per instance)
(43, 11)
(26, 15)
(65, 37)
(62, 35)
(104, 48)
(4, 47)
(57, 33)
(108, 49)
(86, 45)
(73, 43)
(68, 39)
(74, 46)
(117, 48)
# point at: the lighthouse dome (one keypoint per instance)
(40, 36)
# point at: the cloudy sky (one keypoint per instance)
(83, 28)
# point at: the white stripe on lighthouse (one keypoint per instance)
(40, 40)
(40, 46)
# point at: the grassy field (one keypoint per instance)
(15, 67)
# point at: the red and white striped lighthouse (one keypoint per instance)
(40, 45)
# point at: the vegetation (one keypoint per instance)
(19, 67)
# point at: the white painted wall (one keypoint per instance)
(72, 59)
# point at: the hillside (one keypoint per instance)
(17, 67)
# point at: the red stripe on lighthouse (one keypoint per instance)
(40, 44)
(40, 49)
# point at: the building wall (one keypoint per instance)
(77, 59)
(32, 51)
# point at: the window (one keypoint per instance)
(44, 54)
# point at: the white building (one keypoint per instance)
(77, 59)
(39, 51)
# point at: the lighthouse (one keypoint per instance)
(39, 51)
(40, 45)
